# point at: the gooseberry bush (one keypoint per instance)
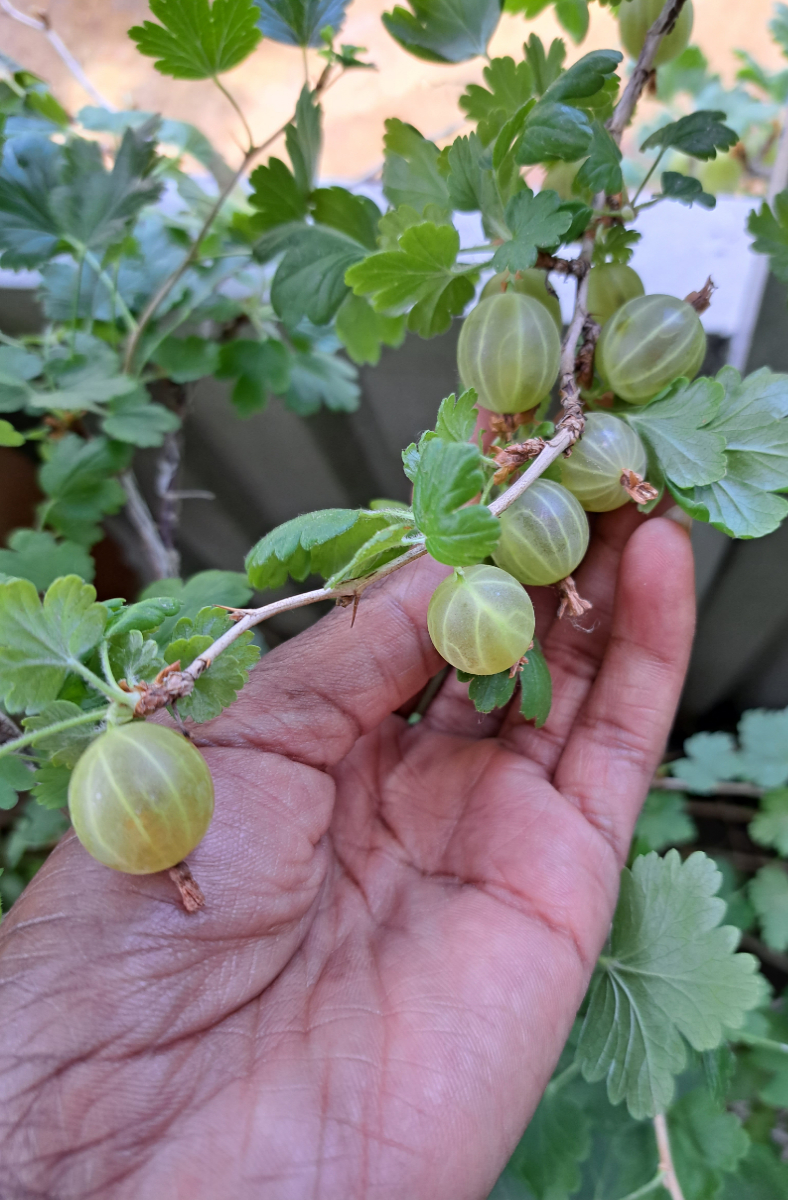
(675, 1077)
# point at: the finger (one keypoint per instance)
(574, 650)
(620, 733)
(314, 696)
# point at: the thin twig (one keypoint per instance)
(194, 250)
(669, 1178)
(568, 430)
(160, 560)
(668, 783)
(42, 24)
(639, 77)
(710, 810)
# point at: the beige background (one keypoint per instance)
(268, 83)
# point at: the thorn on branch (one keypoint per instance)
(510, 458)
(637, 488)
(572, 603)
(189, 889)
(701, 300)
(584, 359)
(563, 266)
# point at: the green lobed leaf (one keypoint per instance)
(457, 416)
(218, 687)
(41, 642)
(678, 427)
(76, 479)
(96, 208)
(545, 67)
(585, 78)
(299, 22)
(257, 368)
(37, 829)
(276, 196)
(363, 332)
(315, 543)
(17, 366)
(135, 419)
(355, 216)
(422, 276)
(316, 378)
(61, 749)
(556, 1142)
(770, 826)
(623, 1154)
(706, 1143)
(554, 131)
(700, 135)
(410, 169)
(144, 615)
(445, 31)
(670, 974)
(536, 687)
(601, 171)
(187, 138)
(304, 139)
(35, 555)
(768, 892)
(711, 757)
(448, 476)
(573, 17)
(769, 227)
(663, 821)
(197, 39)
(184, 360)
(617, 245)
(30, 172)
(536, 221)
(15, 777)
(752, 419)
(134, 657)
(203, 590)
(763, 735)
(51, 787)
(509, 86)
(383, 546)
(310, 279)
(761, 1176)
(686, 189)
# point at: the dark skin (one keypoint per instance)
(401, 920)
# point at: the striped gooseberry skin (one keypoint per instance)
(544, 534)
(609, 286)
(481, 620)
(592, 473)
(635, 18)
(509, 350)
(140, 798)
(532, 282)
(647, 344)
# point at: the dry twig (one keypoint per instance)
(572, 603)
(637, 488)
(189, 889)
(701, 300)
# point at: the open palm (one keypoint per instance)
(401, 919)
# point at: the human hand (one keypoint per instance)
(401, 920)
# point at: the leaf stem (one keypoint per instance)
(111, 285)
(27, 739)
(105, 665)
(193, 253)
(112, 693)
(761, 1043)
(651, 1186)
(559, 1081)
(649, 173)
(666, 1168)
(229, 97)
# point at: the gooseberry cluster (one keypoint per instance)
(509, 351)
